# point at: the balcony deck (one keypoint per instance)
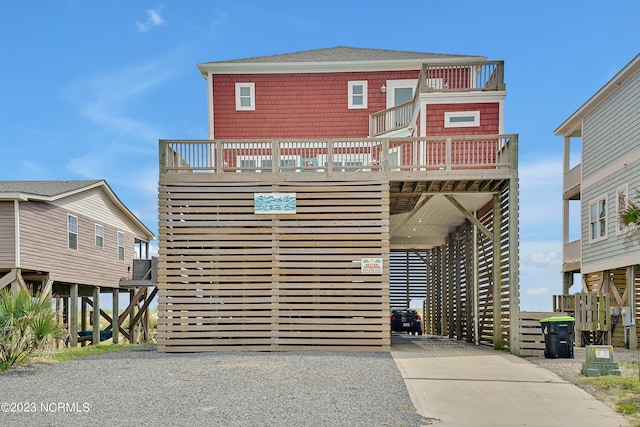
(412, 166)
(287, 281)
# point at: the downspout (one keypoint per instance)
(210, 103)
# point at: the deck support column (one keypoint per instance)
(115, 316)
(476, 285)
(132, 329)
(514, 269)
(83, 318)
(72, 317)
(497, 294)
(631, 292)
(96, 315)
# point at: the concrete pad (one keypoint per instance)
(464, 385)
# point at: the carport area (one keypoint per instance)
(454, 256)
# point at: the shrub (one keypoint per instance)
(27, 325)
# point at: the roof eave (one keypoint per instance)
(329, 66)
(574, 121)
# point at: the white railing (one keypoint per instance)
(572, 178)
(572, 251)
(481, 76)
(340, 155)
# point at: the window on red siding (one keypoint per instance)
(357, 94)
(460, 119)
(245, 96)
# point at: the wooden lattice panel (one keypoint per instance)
(233, 279)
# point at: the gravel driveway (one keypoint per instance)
(139, 386)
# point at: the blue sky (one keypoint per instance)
(89, 87)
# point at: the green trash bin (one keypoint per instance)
(559, 336)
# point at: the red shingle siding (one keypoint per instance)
(489, 119)
(312, 105)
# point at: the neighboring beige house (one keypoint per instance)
(71, 239)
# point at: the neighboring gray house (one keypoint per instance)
(607, 255)
(68, 238)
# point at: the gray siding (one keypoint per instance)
(614, 246)
(44, 244)
(610, 132)
(612, 129)
(7, 235)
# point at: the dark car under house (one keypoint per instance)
(406, 320)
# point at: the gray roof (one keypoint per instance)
(343, 54)
(52, 190)
(44, 188)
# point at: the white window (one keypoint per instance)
(400, 91)
(598, 219)
(622, 202)
(245, 96)
(99, 236)
(72, 231)
(120, 245)
(358, 94)
(461, 119)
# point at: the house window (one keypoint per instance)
(245, 96)
(622, 202)
(358, 94)
(99, 236)
(598, 219)
(120, 245)
(72, 229)
(461, 119)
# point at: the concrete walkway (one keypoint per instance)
(457, 384)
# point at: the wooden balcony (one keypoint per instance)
(571, 183)
(444, 156)
(472, 77)
(571, 256)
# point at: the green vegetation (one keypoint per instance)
(631, 215)
(90, 350)
(624, 389)
(27, 327)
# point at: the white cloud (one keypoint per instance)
(540, 277)
(109, 99)
(153, 20)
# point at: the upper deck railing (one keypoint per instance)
(437, 153)
(481, 76)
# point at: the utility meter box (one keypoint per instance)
(628, 319)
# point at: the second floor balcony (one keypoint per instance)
(441, 78)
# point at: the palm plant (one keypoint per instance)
(631, 215)
(27, 325)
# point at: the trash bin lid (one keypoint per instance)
(558, 319)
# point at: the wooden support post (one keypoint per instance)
(514, 268)
(631, 291)
(48, 286)
(476, 285)
(73, 316)
(605, 287)
(115, 325)
(132, 329)
(497, 294)
(96, 315)
(83, 318)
